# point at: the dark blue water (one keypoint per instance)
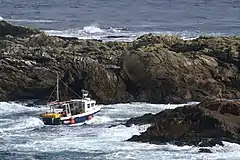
(127, 18)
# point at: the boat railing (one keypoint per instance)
(57, 102)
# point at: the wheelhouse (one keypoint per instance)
(73, 107)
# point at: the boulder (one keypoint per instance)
(205, 125)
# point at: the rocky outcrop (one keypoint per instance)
(204, 150)
(8, 29)
(158, 69)
(204, 125)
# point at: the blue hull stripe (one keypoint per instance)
(78, 119)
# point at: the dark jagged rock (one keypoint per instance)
(211, 142)
(204, 150)
(156, 69)
(145, 119)
(206, 124)
(8, 29)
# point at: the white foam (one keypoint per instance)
(1, 18)
(12, 108)
(85, 32)
(119, 133)
(113, 34)
(112, 142)
(94, 138)
(5, 121)
(92, 29)
(76, 140)
(78, 33)
(115, 30)
(23, 123)
(99, 120)
(119, 34)
(128, 110)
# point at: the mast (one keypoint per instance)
(57, 87)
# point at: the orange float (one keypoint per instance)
(89, 117)
(72, 120)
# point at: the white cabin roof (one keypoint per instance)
(88, 100)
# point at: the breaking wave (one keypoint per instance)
(92, 29)
(13, 108)
(99, 120)
(121, 34)
(23, 123)
(94, 32)
(111, 33)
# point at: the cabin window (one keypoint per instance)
(88, 105)
(72, 105)
(92, 105)
(75, 104)
(82, 104)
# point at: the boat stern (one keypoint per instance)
(51, 118)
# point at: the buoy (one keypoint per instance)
(72, 120)
(89, 117)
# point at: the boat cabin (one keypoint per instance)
(74, 106)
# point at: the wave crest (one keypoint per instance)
(23, 123)
(99, 120)
(92, 29)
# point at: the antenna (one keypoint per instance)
(84, 93)
(57, 87)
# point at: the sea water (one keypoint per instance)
(125, 19)
(24, 136)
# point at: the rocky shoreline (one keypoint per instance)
(155, 69)
(204, 125)
(152, 68)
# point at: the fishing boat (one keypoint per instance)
(70, 112)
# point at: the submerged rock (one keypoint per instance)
(204, 150)
(156, 69)
(211, 142)
(206, 124)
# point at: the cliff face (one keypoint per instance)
(158, 69)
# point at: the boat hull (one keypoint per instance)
(69, 120)
(51, 121)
